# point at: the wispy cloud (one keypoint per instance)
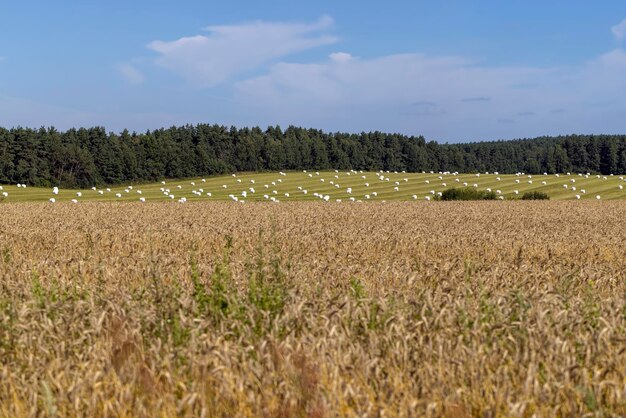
(130, 73)
(393, 79)
(619, 30)
(211, 59)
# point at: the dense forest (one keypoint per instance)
(86, 157)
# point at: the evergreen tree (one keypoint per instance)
(83, 157)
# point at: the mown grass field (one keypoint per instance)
(292, 186)
(454, 309)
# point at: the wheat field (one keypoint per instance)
(454, 309)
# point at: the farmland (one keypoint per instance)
(313, 309)
(337, 185)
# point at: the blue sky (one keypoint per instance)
(450, 70)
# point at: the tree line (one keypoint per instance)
(92, 156)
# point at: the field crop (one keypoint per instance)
(336, 185)
(453, 309)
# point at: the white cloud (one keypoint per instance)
(619, 30)
(209, 60)
(130, 73)
(340, 57)
(445, 98)
(615, 59)
(381, 93)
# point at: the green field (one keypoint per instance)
(312, 185)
